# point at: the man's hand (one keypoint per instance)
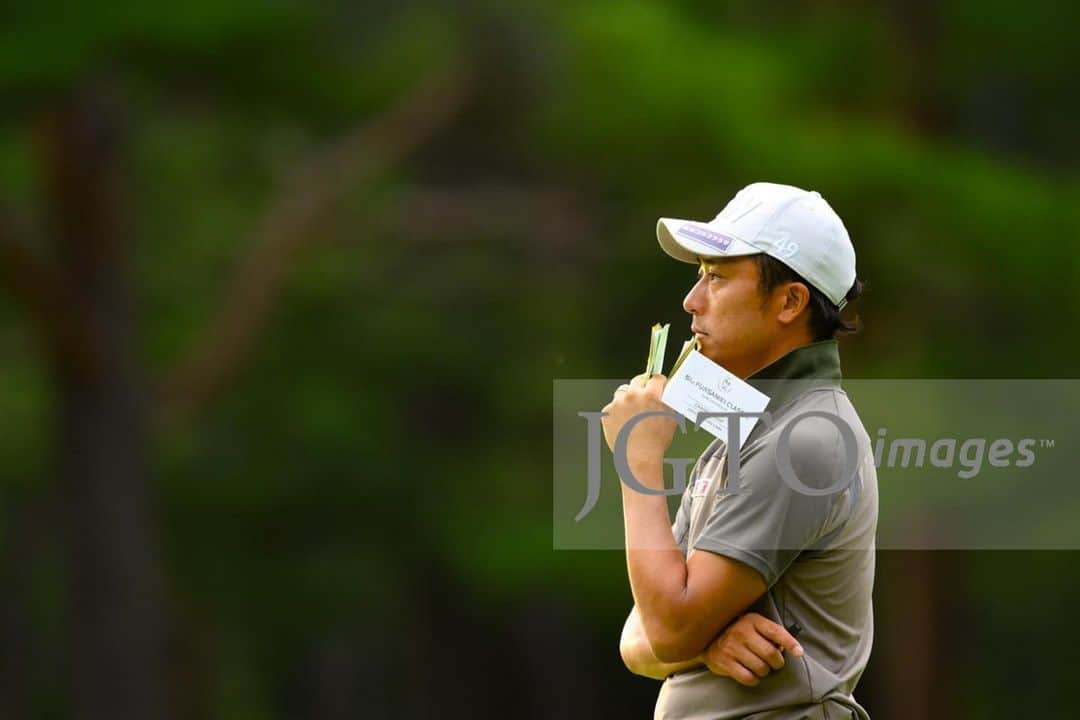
(749, 649)
(650, 438)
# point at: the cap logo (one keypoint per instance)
(708, 237)
(787, 248)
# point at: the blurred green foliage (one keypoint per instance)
(368, 498)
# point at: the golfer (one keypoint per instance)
(787, 541)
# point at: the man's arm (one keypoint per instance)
(638, 655)
(683, 605)
(746, 651)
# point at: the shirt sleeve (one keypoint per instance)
(765, 520)
(681, 528)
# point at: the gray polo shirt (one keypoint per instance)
(812, 539)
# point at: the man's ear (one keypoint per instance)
(794, 300)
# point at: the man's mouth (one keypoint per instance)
(697, 331)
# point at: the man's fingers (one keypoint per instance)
(778, 635)
(727, 666)
(742, 675)
(765, 650)
(648, 382)
(748, 659)
(656, 382)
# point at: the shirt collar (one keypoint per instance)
(804, 368)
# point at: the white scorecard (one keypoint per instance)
(699, 385)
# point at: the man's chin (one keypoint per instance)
(712, 350)
(708, 348)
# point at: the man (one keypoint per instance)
(754, 552)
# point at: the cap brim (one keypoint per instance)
(689, 240)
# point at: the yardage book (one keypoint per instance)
(698, 385)
(657, 347)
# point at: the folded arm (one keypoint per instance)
(746, 651)
(638, 656)
(683, 604)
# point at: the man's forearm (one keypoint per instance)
(655, 565)
(638, 656)
(683, 604)
(644, 663)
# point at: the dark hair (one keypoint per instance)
(825, 319)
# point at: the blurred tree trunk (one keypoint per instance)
(19, 654)
(918, 24)
(920, 681)
(115, 597)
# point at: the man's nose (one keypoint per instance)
(692, 302)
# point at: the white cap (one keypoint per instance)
(795, 226)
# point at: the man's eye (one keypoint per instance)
(714, 276)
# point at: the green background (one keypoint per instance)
(286, 286)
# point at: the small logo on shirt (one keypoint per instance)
(700, 488)
(705, 478)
